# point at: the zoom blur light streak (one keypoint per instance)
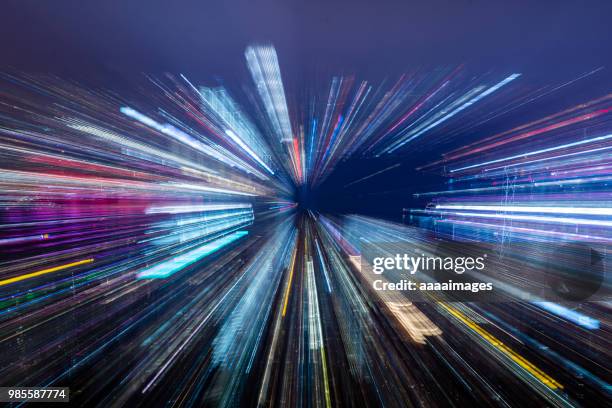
(168, 268)
(153, 252)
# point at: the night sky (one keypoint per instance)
(204, 39)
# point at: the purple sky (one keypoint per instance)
(376, 38)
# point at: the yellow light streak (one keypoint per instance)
(290, 280)
(44, 272)
(520, 360)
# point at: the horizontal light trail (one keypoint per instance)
(198, 187)
(482, 145)
(180, 209)
(530, 209)
(44, 272)
(568, 314)
(559, 156)
(170, 267)
(530, 231)
(548, 220)
(561, 182)
(540, 151)
(22, 240)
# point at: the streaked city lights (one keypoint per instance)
(202, 240)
